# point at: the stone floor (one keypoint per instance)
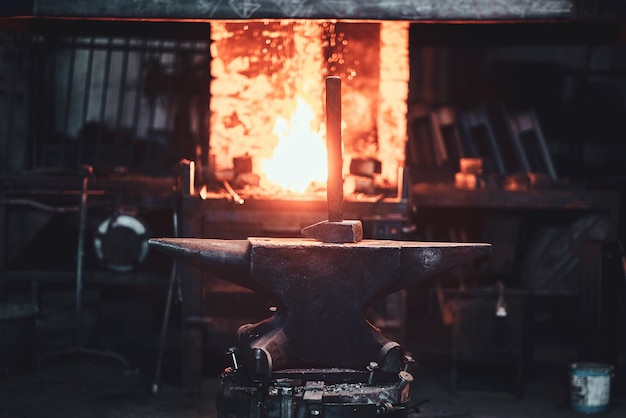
(95, 387)
(90, 387)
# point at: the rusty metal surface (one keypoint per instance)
(337, 232)
(292, 397)
(348, 9)
(321, 291)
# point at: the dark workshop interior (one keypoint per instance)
(268, 208)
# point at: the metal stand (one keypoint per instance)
(521, 124)
(79, 349)
(474, 121)
(174, 278)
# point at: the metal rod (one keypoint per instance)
(131, 48)
(517, 142)
(43, 74)
(137, 104)
(68, 97)
(3, 243)
(543, 147)
(233, 194)
(104, 93)
(166, 314)
(79, 257)
(122, 87)
(42, 133)
(38, 205)
(152, 106)
(164, 326)
(494, 147)
(201, 134)
(169, 116)
(10, 119)
(179, 290)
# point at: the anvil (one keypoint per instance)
(321, 291)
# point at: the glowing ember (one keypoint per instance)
(299, 159)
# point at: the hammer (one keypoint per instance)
(335, 229)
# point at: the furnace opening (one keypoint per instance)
(267, 105)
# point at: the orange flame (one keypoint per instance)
(299, 159)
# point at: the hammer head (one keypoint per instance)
(337, 232)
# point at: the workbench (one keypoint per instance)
(564, 202)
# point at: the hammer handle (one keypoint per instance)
(334, 188)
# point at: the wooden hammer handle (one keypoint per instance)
(334, 193)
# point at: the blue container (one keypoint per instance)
(590, 387)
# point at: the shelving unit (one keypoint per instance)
(511, 209)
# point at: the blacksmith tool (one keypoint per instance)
(335, 229)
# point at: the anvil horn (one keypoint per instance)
(228, 258)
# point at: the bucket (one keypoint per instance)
(590, 387)
(17, 337)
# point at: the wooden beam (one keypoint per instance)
(414, 10)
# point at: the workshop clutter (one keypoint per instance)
(477, 148)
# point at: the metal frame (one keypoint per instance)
(445, 117)
(526, 122)
(102, 81)
(79, 347)
(346, 9)
(476, 119)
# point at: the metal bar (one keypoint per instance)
(202, 105)
(517, 141)
(34, 72)
(233, 194)
(166, 316)
(164, 326)
(179, 285)
(33, 124)
(3, 244)
(429, 10)
(122, 86)
(137, 104)
(494, 147)
(82, 214)
(131, 48)
(86, 96)
(169, 122)
(441, 153)
(471, 144)
(37, 205)
(105, 92)
(47, 120)
(10, 101)
(478, 118)
(192, 343)
(68, 98)
(152, 109)
(42, 74)
(4, 158)
(545, 153)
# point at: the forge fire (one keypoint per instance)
(267, 100)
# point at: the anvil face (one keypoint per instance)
(322, 291)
